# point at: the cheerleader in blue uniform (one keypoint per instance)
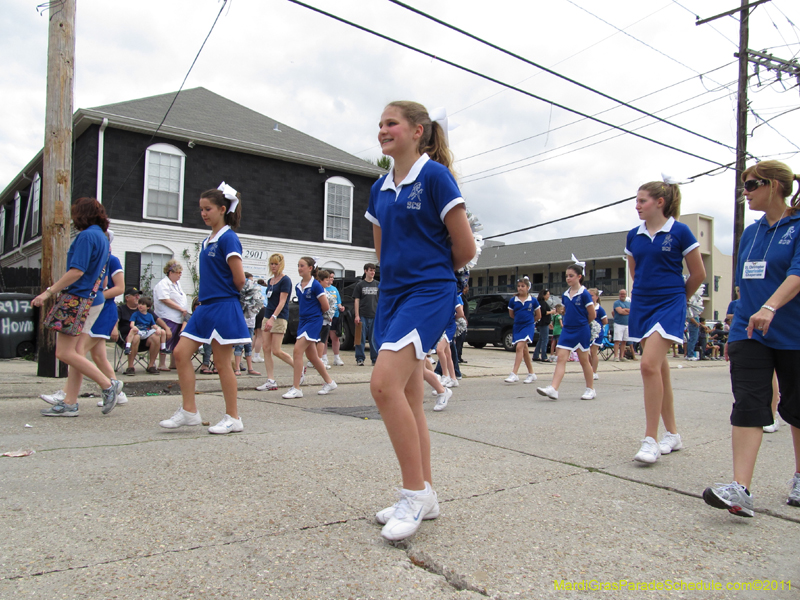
(218, 320)
(313, 302)
(656, 250)
(525, 311)
(449, 379)
(422, 234)
(601, 319)
(575, 334)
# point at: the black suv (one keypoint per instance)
(490, 323)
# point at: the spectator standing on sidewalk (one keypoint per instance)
(543, 325)
(462, 337)
(762, 340)
(622, 308)
(365, 296)
(693, 330)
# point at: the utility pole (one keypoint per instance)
(741, 127)
(57, 169)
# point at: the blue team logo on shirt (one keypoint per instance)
(666, 245)
(212, 249)
(415, 197)
(787, 237)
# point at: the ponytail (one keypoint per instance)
(671, 194)
(311, 263)
(433, 141)
(217, 198)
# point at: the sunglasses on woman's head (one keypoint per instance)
(753, 184)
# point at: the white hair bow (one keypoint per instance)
(577, 262)
(230, 194)
(440, 116)
(673, 180)
(110, 235)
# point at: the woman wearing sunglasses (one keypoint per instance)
(763, 339)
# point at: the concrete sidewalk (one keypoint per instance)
(536, 496)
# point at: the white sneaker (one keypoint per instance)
(616, 359)
(595, 376)
(772, 428)
(268, 385)
(409, 512)
(55, 397)
(448, 383)
(327, 388)
(530, 378)
(649, 452)
(441, 399)
(227, 425)
(309, 364)
(121, 399)
(693, 358)
(337, 361)
(387, 513)
(181, 418)
(303, 376)
(589, 394)
(669, 442)
(511, 378)
(548, 391)
(257, 358)
(293, 393)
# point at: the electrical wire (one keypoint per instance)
(551, 72)
(463, 182)
(141, 156)
(768, 124)
(697, 18)
(597, 113)
(771, 118)
(637, 39)
(591, 210)
(495, 80)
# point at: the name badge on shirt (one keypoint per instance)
(269, 294)
(754, 269)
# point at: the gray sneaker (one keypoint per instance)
(731, 497)
(794, 494)
(60, 409)
(111, 395)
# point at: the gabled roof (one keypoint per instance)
(585, 248)
(204, 117)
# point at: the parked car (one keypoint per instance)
(490, 323)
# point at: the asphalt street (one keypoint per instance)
(538, 498)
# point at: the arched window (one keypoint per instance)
(36, 200)
(334, 267)
(163, 183)
(154, 258)
(338, 209)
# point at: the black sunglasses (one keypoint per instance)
(753, 184)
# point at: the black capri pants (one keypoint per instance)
(752, 366)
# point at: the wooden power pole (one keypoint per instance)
(57, 170)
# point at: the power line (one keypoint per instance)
(595, 114)
(697, 18)
(111, 202)
(635, 38)
(571, 151)
(591, 210)
(551, 72)
(494, 80)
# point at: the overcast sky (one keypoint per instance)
(332, 81)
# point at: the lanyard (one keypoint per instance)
(770, 239)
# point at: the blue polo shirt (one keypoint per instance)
(575, 315)
(783, 259)
(618, 318)
(216, 279)
(732, 307)
(659, 259)
(414, 244)
(600, 313)
(88, 253)
(307, 298)
(524, 312)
